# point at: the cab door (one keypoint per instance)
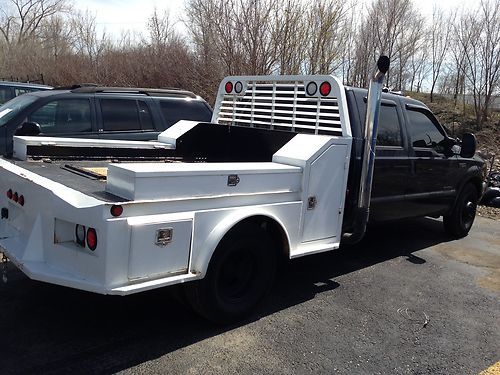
(432, 188)
(392, 166)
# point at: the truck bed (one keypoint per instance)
(67, 173)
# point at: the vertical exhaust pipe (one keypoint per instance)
(368, 159)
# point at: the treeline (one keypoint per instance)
(457, 52)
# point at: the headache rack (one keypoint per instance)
(292, 103)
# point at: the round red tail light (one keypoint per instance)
(116, 210)
(325, 88)
(9, 193)
(15, 197)
(229, 87)
(91, 239)
(21, 200)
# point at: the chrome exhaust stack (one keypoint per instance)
(368, 159)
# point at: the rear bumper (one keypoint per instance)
(41, 271)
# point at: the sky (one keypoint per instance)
(116, 16)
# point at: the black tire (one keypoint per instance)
(459, 221)
(239, 275)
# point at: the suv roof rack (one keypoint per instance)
(76, 86)
(134, 90)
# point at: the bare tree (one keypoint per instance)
(440, 39)
(21, 20)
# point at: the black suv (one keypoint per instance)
(98, 112)
(9, 90)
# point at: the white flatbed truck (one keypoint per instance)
(218, 222)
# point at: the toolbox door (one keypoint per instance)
(159, 249)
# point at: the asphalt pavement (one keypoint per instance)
(406, 300)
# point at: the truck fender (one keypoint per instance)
(204, 255)
(473, 175)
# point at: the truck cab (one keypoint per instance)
(419, 170)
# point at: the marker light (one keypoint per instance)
(229, 87)
(21, 200)
(80, 235)
(238, 87)
(15, 197)
(116, 210)
(311, 88)
(9, 193)
(325, 88)
(91, 239)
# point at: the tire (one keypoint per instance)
(239, 275)
(459, 221)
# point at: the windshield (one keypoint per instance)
(14, 106)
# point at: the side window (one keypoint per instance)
(20, 91)
(424, 132)
(180, 109)
(389, 129)
(64, 116)
(5, 94)
(125, 114)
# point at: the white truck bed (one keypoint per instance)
(194, 205)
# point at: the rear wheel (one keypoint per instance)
(239, 275)
(459, 222)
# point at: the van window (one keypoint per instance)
(64, 116)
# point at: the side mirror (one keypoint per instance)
(28, 128)
(468, 145)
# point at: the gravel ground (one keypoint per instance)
(489, 212)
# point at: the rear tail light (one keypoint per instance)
(325, 88)
(80, 235)
(238, 87)
(91, 238)
(116, 210)
(15, 197)
(21, 200)
(229, 87)
(311, 88)
(9, 193)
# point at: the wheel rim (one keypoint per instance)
(468, 212)
(237, 276)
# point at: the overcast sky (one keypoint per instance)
(131, 15)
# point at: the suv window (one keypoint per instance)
(23, 90)
(125, 114)
(182, 109)
(5, 94)
(389, 130)
(423, 131)
(64, 116)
